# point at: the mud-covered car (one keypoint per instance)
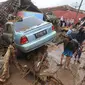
(30, 33)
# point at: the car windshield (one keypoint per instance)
(27, 23)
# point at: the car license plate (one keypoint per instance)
(40, 34)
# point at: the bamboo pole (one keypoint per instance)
(78, 10)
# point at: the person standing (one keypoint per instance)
(78, 53)
(65, 42)
(61, 21)
(80, 38)
(70, 46)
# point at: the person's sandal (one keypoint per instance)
(78, 61)
(67, 68)
(59, 64)
(75, 60)
(2, 80)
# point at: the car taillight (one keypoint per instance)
(53, 28)
(23, 40)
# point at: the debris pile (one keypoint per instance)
(9, 58)
(13, 6)
(36, 65)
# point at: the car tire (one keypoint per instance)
(20, 54)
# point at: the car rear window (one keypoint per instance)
(27, 23)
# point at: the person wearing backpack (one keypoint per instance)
(65, 41)
(71, 47)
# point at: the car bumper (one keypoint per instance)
(37, 43)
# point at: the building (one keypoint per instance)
(66, 11)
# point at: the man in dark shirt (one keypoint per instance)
(80, 37)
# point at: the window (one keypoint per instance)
(28, 23)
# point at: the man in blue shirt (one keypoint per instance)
(69, 31)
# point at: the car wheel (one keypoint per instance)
(20, 54)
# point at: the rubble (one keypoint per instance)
(37, 64)
(9, 57)
(13, 6)
(48, 71)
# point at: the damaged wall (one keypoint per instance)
(13, 6)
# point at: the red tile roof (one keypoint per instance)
(68, 14)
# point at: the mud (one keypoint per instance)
(74, 76)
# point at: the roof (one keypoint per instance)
(64, 8)
(68, 14)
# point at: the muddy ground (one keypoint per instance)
(74, 76)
